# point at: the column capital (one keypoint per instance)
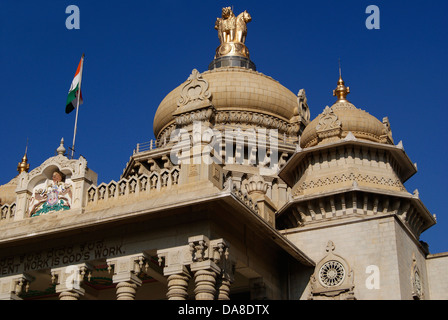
(11, 287)
(127, 268)
(70, 278)
(175, 260)
(205, 265)
(209, 260)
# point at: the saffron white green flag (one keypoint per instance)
(75, 90)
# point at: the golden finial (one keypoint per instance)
(24, 166)
(341, 90)
(232, 33)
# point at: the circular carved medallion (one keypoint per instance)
(331, 274)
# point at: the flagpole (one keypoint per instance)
(77, 107)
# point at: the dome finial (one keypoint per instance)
(341, 90)
(24, 165)
(61, 149)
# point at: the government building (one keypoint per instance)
(241, 196)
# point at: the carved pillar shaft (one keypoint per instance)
(69, 295)
(126, 290)
(224, 289)
(206, 260)
(177, 287)
(205, 281)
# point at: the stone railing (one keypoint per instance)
(135, 185)
(7, 212)
(146, 146)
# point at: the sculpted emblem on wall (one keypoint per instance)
(56, 195)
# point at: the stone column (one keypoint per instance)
(207, 260)
(178, 284)
(69, 295)
(69, 279)
(205, 282)
(223, 288)
(126, 290)
(126, 270)
(12, 287)
(175, 262)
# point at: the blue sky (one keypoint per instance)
(138, 51)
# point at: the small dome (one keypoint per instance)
(335, 122)
(235, 88)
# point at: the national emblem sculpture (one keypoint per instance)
(56, 196)
(232, 32)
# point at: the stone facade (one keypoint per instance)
(240, 196)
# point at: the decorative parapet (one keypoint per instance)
(7, 212)
(144, 184)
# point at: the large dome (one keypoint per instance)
(235, 88)
(342, 118)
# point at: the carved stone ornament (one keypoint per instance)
(329, 124)
(194, 94)
(332, 278)
(416, 280)
(232, 33)
(58, 184)
(55, 195)
(302, 110)
(256, 184)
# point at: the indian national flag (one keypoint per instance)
(75, 89)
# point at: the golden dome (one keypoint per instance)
(235, 88)
(335, 123)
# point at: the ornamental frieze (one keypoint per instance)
(321, 182)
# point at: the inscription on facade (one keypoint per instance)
(60, 256)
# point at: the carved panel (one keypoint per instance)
(195, 92)
(332, 278)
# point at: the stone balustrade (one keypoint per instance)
(143, 184)
(7, 212)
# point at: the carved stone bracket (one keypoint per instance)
(127, 268)
(69, 279)
(12, 287)
(125, 274)
(208, 261)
